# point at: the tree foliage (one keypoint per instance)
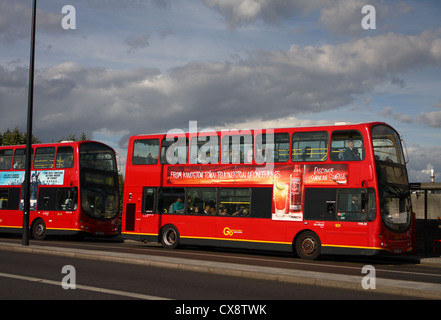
(73, 137)
(15, 137)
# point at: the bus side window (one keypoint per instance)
(47, 198)
(4, 196)
(5, 159)
(310, 146)
(237, 148)
(44, 158)
(352, 205)
(171, 200)
(20, 158)
(271, 148)
(65, 157)
(148, 203)
(204, 149)
(261, 201)
(235, 202)
(347, 146)
(9, 198)
(67, 199)
(202, 201)
(145, 151)
(174, 151)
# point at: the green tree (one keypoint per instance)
(15, 137)
(73, 137)
(121, 190)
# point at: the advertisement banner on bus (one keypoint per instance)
(288, 181)
(238, 174)
(314, 174)
(288, 187)
(50, 177)
(38, 178)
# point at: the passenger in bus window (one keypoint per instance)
(249, 157)
(207, 209)
(235, 156)
(243, 211)
(355, 204)
(17, 164)
(351, 153)
(306, 154)
(178, 206)
(203, 158)
(3, 164)
(223, 211)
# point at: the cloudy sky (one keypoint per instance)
(144, 66)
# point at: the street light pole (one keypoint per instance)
(27, 179)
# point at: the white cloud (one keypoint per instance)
(389, 113)
(421, 161)
(266, 87)
(15, 20)
(433, 118)
(341, 17)
(138, 42)
(242, 12)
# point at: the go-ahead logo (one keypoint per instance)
(231, 232)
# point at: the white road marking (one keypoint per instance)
(83, 287)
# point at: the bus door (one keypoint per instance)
(351, 219)
(340, 213)
(149, 218)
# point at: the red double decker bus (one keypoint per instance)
(74, 189)
(313, 190)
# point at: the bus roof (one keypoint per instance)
(50, 144)
(302, 128)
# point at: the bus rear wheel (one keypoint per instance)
(169, 237)
(38, 229)
(308, 245)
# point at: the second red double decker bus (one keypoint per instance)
(74, 189)
(311, 190)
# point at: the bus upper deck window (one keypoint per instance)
(272, 147)
(5, 159)
(310, 146)
(347, 146)
(65, 157)
(44, 158)
(145, 151)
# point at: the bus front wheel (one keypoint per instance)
(308, 245)
(169, 237)
(38, 229)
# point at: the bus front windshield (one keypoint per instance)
(394, 195)
(99, 181)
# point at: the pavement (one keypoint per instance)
(319, 279)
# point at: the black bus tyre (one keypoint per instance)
(308, 246)
(169, 237)
(38, 229)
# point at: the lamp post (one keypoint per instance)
(27, 179)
